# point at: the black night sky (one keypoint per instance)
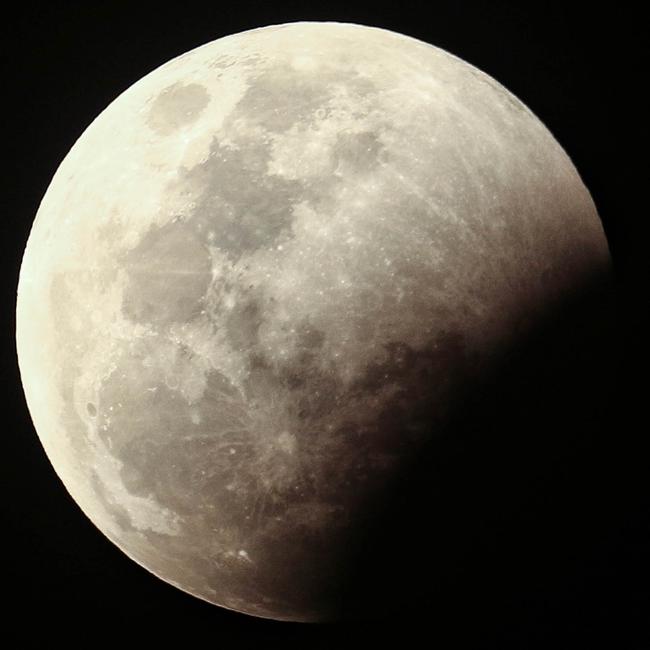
(554, 552)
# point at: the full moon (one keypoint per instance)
(259, 282)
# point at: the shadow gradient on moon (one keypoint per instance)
(500, 502)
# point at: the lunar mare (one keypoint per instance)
(257, 280)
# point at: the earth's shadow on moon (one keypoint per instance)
(493, 513)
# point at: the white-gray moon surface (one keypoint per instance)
(254, 281)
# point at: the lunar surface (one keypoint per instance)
(258, 280)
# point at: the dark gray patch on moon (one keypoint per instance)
(177, 106)
(169, 272)
(243, 323)
(280, 97)
(239, 203)
(358, 152)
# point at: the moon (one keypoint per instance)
(258, 282)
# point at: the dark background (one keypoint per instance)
(582, 578)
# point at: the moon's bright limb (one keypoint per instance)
(249, 272)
